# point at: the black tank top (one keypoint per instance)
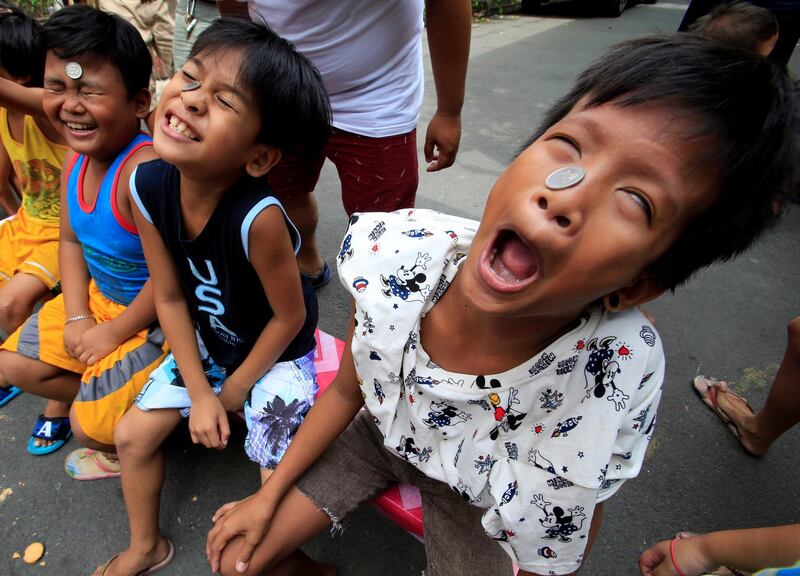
(222, 289)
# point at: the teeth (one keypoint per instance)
(181, 128)
(82, 127)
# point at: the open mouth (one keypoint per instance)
(179, 127)
(509, 264)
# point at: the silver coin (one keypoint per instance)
(565, 177)
(194, 85)
(73, 70)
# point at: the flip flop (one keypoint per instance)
(56, 430)
(8, 393)
(708, 389)
(88, 464)
(152, 569)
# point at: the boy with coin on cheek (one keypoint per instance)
(517, 384)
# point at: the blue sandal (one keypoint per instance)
(8, 393)
(56, 430)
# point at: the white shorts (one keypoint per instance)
(274, 410)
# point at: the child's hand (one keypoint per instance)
(249, 518)
(97, 342)
(208, 422)
(73, 333)
(233, 396)
(656, 560)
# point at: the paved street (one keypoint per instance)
(729, 322)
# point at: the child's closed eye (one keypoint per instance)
(641, 200)
(225, 102)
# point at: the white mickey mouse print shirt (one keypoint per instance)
(538, 446)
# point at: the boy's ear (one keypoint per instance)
(644, 289)
(141, 103)
(262, 159)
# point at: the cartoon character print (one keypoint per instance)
(564, 428)
(558, 525)
(346, 252)
(41, 181)
(601, 370)
(507, 417)
(378, 390)
(420, 233)
(409, 452)
(465, 491)
(509, 493)
(535, 457)
(408, 281)
(443, 415)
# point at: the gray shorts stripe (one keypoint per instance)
(124, 369)
(28, 343)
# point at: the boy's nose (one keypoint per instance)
(72, 103)
(194, 101)
(562, 208)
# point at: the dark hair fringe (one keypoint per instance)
(80, 29)
(744, 105)
(287, 88)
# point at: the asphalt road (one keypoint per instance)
(729, 321)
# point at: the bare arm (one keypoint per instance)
(449, 24)
(749, 550)
(19, 98)
(329, 416)
(272, 257)
(208, 423)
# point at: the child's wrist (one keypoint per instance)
(79, 317)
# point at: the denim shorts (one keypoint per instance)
(357, 467)
(274, 410)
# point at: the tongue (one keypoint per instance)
(515, 260)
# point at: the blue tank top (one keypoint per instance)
(111, 246)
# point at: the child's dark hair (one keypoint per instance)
(738, 23)
(20, 54)
(285, 86)
(79, 29)
(741, 104)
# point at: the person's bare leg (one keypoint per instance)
(781, 410)
(296, 521)
(138, 438)
(303, 212)
(18, 296)
(58, 386)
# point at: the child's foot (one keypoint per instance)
(132, 562)
(56, 411)
(734, 411)
(88, 464)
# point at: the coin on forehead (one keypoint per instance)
(73, 70)
(565, 177)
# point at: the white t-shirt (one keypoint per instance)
(539, 445)
(369, 54)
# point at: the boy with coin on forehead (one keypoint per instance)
(97, 342)
(504, 366)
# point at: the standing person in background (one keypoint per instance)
(191, 18)
(370, 57)
(155, 21)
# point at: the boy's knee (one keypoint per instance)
(228, 559)
(13, 312)
(127, 439)
(12, 368)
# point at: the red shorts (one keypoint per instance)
(377, 174)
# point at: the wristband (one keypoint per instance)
(672, 556)
(79, 317)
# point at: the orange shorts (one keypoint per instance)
(28, 245)
(108, 387)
